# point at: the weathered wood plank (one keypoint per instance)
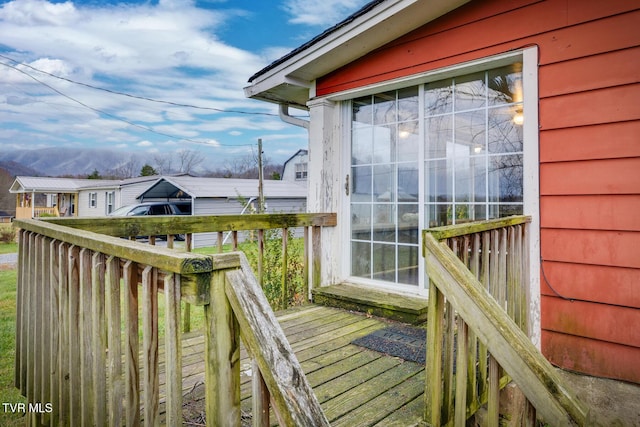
(533, 374)
(260, 397)
(55, 328)
(163, 258)
(292, 396)
(460, 413)
(99, 339)
(150, 381)
(284, 289)
(20, 365)
(75, 410)
(173, 347)
(45, 346)
(159, 225)
(222, 358)
(446, 232)
(86, 339)
(63, 315)
(433, 368)
(132, 374)
(114, 318)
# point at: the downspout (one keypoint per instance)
(287, 118)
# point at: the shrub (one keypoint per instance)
(7, 235)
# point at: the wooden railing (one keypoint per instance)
(28, 212)
(79, 351)
(478, 275)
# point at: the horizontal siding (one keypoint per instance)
(563, 31)
(596, 283)
(599, 358)
(592, 212)
(590, 142)
(608, 105)
(581, 318)
(611, 176)
(605, 70)
(613, 248)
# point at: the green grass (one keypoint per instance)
(8, 393)
(8, 248)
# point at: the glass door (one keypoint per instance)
(466, 135)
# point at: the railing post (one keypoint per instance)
(222, 355)
(285, 260)
(433, 369)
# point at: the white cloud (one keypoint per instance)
(144, 144)
(321, 13)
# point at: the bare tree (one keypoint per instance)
(189, 160)
(163, 163)
(127, 170)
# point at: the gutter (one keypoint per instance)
(283, 112)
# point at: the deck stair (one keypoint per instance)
(376, 302)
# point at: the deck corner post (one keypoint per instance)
(222, 354)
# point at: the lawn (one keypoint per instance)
(8, 393)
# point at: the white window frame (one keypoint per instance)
(93, 200)
(110, 199)
(529, 58)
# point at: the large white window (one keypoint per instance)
(445, 151)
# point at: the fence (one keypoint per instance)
(81, 350)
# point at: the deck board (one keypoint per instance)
(355, 386)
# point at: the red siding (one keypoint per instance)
(589, 142)
(597, 283)
(598, 358)
(589, 86)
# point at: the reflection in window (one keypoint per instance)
(465, 132)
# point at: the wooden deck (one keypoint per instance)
(355, 386)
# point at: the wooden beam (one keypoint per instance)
(446, 232)
(163, 258)
(182, 224)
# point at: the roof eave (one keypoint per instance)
(289, 79)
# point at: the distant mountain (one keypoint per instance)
(63, 161)
(16, 169)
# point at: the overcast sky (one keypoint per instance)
(198, 53)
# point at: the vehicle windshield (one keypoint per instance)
(123, 211)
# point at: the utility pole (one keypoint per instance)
(260, 178)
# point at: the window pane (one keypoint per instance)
(361, 259)
(384, 144)
(470, 91)
(384, 226)
(504, 134)
(383, 180)
(361, 179)
(361, 222)
(384, 108)
(439, 175)
(408, 224)
(438, 97)
(470, 130)
(438, 215)
(408, 104)
(408, 265)
(408, 182)
(408, 140)
(362, 110)
(505, 85)
(361, 145)
(439, 132)
(505, 178)
(384, 262)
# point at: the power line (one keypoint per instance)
(115, 92)
(148, 129)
